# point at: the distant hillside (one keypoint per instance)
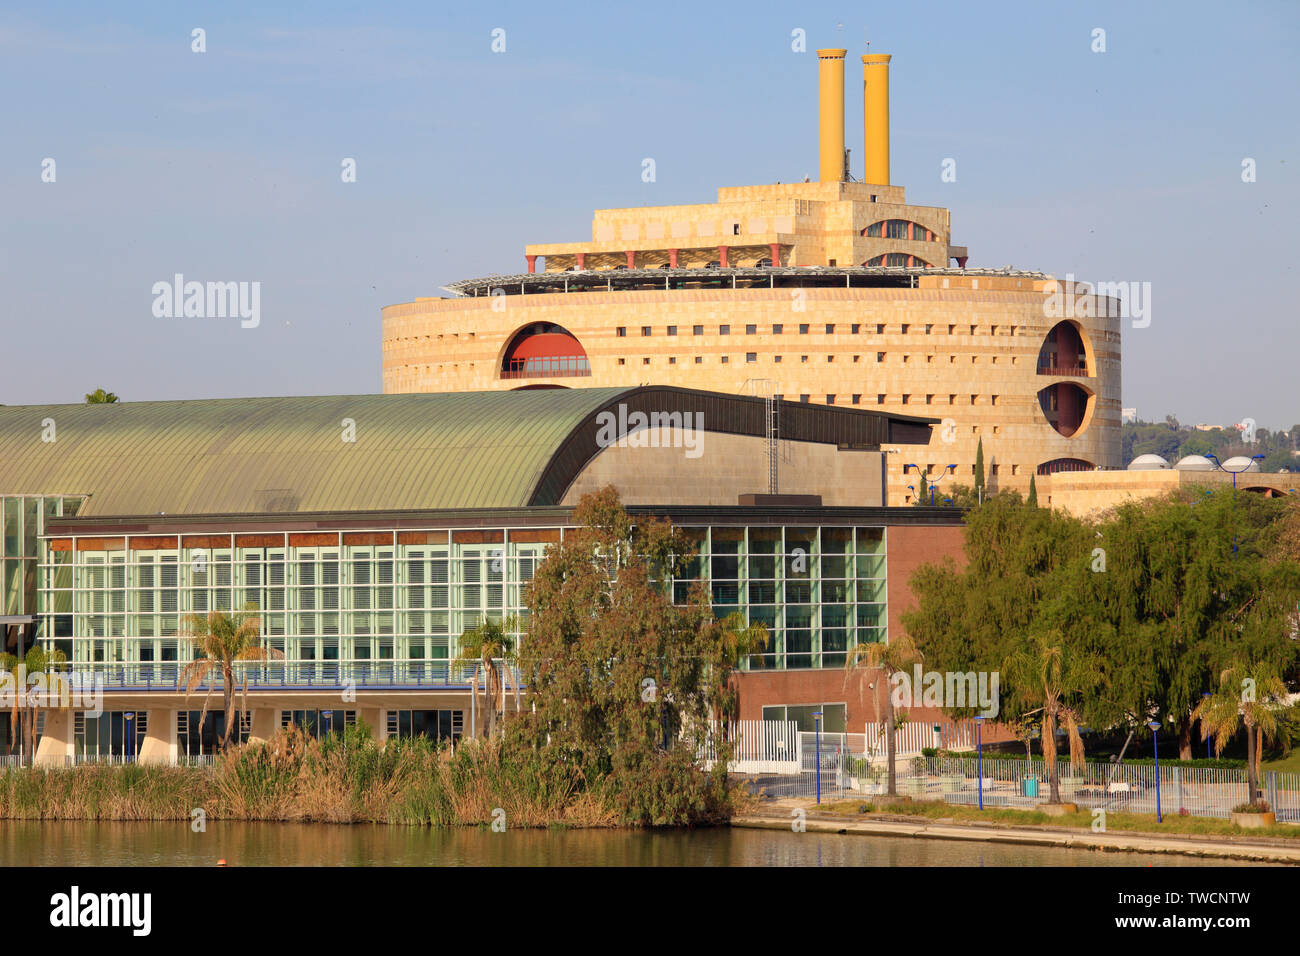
(1172, 441)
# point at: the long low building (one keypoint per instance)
(371, 531)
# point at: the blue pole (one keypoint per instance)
(817, 733)
(979, 759)
(1155, 750)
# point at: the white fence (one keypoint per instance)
(915, 736)
(757, 746)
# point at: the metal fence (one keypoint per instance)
(838, 773)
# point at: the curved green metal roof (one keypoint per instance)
(253, 455)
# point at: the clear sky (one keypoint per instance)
(225, 165)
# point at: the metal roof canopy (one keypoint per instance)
(857, 277)
(412, 452)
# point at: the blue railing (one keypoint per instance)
(297, 675)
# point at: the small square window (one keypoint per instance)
(857, 358)
(857, 399)
(928, 328)
(751, 356)
(952, 329)
(904, 328)
(622, 361)
(803, 328)
(880, 329)
(645, 361)
(724, 330)
(778, 329)
(880, 399)
(697, 330)
(725, 359)
(906, 399)
(830, 328)
(621, 331)
(672, 330)
(803, 398)
(854, 328)
(777, 359)
(751, 330)
(672, 360)
(830, 399)
(699, 360)
(880, 356)
(929, 399)
(830, 358)
(645, 330)
(803, 358)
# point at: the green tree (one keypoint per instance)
(979, 470)
(485, 645)
(882, 660)
(218, 640)
(1033, 493)
(625, 681)
(100, 397)
(38, 662)
(1249, 694)
(1054, 673)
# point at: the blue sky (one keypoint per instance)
(1121, 166)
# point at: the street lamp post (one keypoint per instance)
(1234, 472)
(979, 758)
(947, 471)
(817, 734)
(327, 714)
(1155, 749)
(130, 719)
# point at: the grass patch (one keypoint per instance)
(1125, 822)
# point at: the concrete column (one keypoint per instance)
(158, 744)
(631, 259)
(722, 256)
(266, 724)
(582, 260)
(532, 264)
(374, 718)
(55, 748)
(776, 253)
(672, 258)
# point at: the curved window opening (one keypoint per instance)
(899, 229)
(1064, 406)
(898, 259)
(544, 350)
(1058, 465)
(1063, 352)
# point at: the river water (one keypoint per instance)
(25, 843)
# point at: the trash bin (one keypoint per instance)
(1030, 786)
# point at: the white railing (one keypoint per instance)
(757, 746)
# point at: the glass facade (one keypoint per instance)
(22, 523)
(391, 609)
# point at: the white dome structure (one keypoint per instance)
(1241, 463)
(1147, 463)
(1194, 463)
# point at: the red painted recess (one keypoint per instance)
(547, 345)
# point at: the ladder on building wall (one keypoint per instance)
(765, 389)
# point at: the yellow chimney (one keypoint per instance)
(830, 73)
(875, 117)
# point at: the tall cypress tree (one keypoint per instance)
(1033, 493)
(979, 471)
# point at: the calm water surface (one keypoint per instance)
(288, 844)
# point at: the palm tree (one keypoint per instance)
(100, 397)
(890, 657)
(219, 639)
(483, 645)
(1250, 695)
(1050, 672)
(26, 709)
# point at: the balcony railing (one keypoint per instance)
(297, 675)
(1076, 370)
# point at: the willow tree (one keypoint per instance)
(1182, 606)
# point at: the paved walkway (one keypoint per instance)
(1231, 848)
